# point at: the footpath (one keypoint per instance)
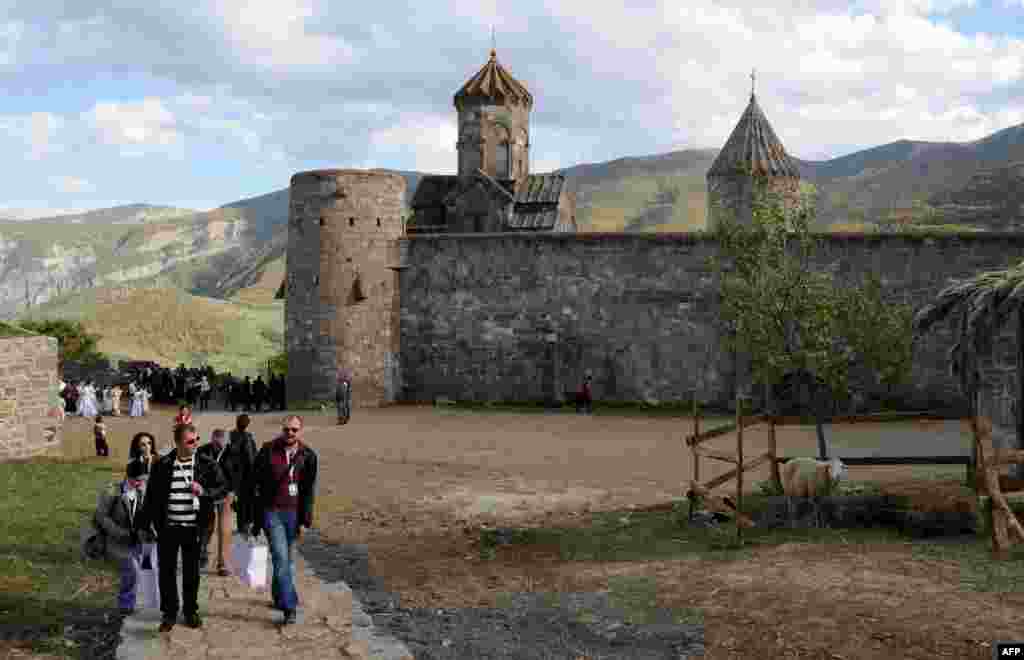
(238, 622)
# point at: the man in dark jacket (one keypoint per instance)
(240, 456)
(181, 489)
(283, 487)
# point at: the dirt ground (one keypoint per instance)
(414, 483)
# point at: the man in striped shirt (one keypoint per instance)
(182, 487)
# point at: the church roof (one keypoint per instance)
(432, 190)
(495, 83)
(753, 148)
(540, 189)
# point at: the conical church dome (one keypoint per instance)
(753, 149)
(494, 83)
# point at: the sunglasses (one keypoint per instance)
(290, 429)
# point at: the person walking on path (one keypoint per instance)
(240, 457)
(585, 397)
(99, 432)
(180, 490)
(219, 519)
(117, 514)
(343, 396)
(283, 486)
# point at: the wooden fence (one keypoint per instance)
(697, 438)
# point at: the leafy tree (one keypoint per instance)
(790, 321)
(75, 343)
(279, 364)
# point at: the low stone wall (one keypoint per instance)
(30, 419)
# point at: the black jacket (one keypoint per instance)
(158, 490)
(238, 463)
(263, 487)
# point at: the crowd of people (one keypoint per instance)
(183, 499)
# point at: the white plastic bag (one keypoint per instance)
(252, 561)
(148, 578)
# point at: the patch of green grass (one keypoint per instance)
(43, 504)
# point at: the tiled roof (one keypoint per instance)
(494, 82)
(540, 189)
(534, 217)
(432, 190)
(753, 148)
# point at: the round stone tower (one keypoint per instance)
(341, 301)
(494, 123)
(752, 160)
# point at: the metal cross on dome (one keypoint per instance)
(752, 73)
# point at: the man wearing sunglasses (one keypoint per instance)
(282, 489)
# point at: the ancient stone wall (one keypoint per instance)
(516, 317)
(341, 308)
(30, 423)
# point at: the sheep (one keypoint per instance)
(809, 477)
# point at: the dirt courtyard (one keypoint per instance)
(415, 483)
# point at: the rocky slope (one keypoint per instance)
(993, 198)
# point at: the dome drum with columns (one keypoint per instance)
(493, 190)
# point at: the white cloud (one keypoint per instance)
(146, 123)
(276, 35)
(42, 127)
(428, 138)
(72, 184)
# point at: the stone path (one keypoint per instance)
(238, 622)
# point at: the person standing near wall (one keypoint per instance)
(343, 396)
(585, 396)
(283, 487)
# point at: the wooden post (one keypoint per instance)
(739, 466)
(773, 447)
(696, 432)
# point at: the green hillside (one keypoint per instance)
(170, 326)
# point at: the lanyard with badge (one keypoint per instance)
(293, 488)
(188, 482)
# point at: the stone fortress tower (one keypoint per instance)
(493, 190)
(341, 304)
(753, 158)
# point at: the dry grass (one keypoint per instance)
(262, 292)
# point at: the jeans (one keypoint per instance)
(281, 528)
(173, 537)
(129, 566)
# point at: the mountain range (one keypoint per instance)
(977, 185)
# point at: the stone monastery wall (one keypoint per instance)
(29, 425)
(517, 317)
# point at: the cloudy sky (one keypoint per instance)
(200, 104)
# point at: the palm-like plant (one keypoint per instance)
(984, 302)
